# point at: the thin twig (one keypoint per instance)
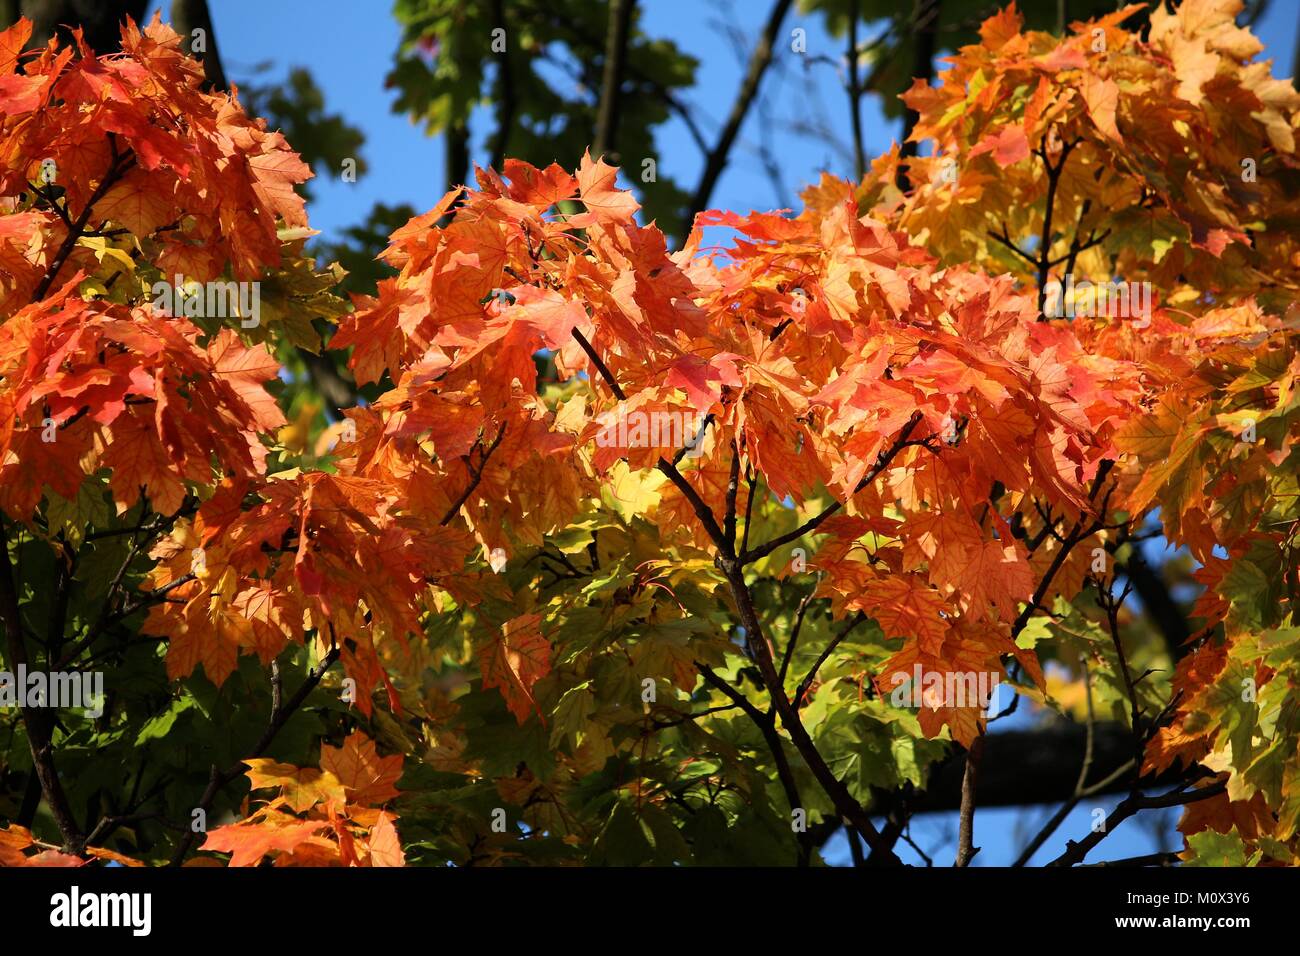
(802, 691)
(117, 167)
(476, 475)
(794, 634)
(882, 462)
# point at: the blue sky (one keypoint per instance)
(349, 47)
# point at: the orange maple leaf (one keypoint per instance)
(514, 661)
(368, 778)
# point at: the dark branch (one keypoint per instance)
(802, 691)
(1076, 852)
(476, 475)
(969, 781)
(716, 160)
(38, 720)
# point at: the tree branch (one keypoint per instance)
(552, 14)
(506, 104)
(882, 462)
(969, 781)
(1150, 859)
(476, 476)
(1035, 767)
(925, 26)
(733, 569)
(1158, 603)
(794, 636)
(855, 94)
(1075, 852)
(108, 619)
(733, 488)
(767, 727)
(1079, 784)
(1045, 242)
(191, 15)
(117, 167)
(845, 805)
(38, 720)
(1003, 238)
(716, 160)
(807, 682)
(601, 367)
(702, 510)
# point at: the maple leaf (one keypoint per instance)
(212, 636)
(538, 187)
(1164, 440)
(249, 845)
(247, 370)
(13, 40)
(514, 660)
(14, 839)
(1008, 147)
(301, 787)
(598, 191)
(997, 576)
(136, 203)
(384, 844)
(100, 853)
(22, 94)
(54, 858)
(905, 606)
(138, 461)
(368, 777)
(1102, 98)
(702, 380)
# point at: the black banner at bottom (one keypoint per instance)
(300, 907)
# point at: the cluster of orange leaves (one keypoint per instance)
(1159, 130)
(1174, 153)
(331, 816)
(136, 143)
(811, 346)
(204, 182)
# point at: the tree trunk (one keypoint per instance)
(189, 16)
(606, 137)
(925, 27)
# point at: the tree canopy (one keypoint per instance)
(643, 552)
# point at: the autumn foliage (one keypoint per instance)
(643, 651)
